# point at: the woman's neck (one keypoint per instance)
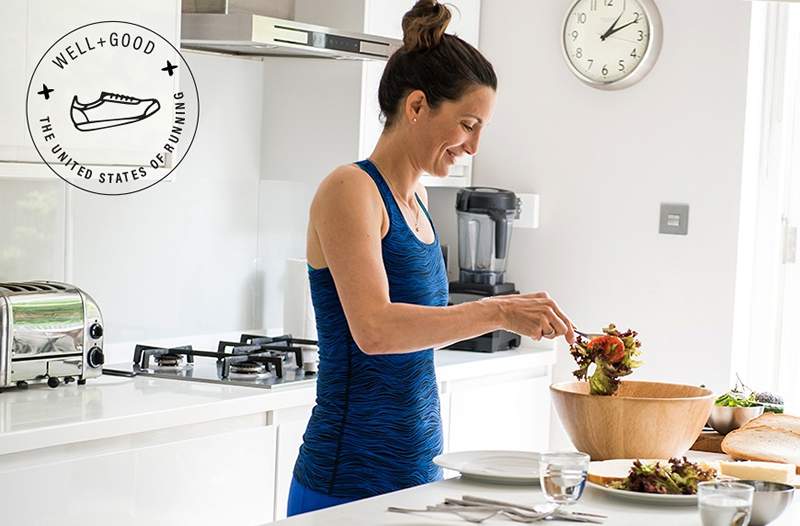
(391, 158)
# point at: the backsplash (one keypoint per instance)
(178, 259)
(32, 215)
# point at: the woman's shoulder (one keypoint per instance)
(347, 185)
(346, 178)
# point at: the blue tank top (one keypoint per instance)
(376, 426)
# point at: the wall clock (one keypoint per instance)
(611, 44)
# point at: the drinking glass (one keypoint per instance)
(563, 476)
(724, 503)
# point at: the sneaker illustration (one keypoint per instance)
(109, 110)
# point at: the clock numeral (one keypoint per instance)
(604, 71)
(581, 17)
(621, 65)
(594, 5)
(578, 53)
(641, 35)
(574, 36)
(634, 54)
(635, 17)
(608, 3)
(590, 61)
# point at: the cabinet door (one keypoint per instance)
(385, 18)
(31, 27)
(500, 413)
(205, 481)
(291, 424)
(13, 132)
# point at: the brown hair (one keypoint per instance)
(443, 66)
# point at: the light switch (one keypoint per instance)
(528, 215)
(674, 219)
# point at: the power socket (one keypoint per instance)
(528, 211)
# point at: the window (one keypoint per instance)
(767, 310)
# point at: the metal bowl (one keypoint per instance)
(770, 499)
(725, 419)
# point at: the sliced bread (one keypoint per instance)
(770, 437)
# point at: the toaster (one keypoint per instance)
(50, 333)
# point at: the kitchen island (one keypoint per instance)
(372, 512)
(147, 450)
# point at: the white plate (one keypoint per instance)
(501, 467)
(650, 498)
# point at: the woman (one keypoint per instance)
(378, 281)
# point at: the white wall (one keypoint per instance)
(177, 259)
(603, 161)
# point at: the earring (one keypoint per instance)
(414, 119)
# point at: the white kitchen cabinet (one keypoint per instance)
(384, 18)
(290, 424)
(204, 474)
(508, 411)
(380, 17)
(30, 28)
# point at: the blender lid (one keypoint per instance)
(481, 198)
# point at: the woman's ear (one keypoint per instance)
(416, 104)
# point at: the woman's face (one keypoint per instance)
(451, 130)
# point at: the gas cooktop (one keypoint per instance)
(254, 361)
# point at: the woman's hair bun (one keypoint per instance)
(424, 25)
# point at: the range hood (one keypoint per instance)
(208, 25)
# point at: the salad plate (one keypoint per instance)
(640, 479)
(649, 498)
(497, 467)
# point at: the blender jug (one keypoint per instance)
(485, 219)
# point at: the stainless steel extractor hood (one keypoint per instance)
(210, 25)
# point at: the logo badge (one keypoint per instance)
(112, 108)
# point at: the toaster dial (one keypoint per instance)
(96, 331)
(95, 357)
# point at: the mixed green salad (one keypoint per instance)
(613, 354)
(743, 396)
(678, 477)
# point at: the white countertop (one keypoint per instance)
(372, 512)
(113, 406)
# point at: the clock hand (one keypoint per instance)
(620, 28)
(611, 29)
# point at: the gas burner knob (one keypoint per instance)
(95, 357)
(96, 331)
(53, 382)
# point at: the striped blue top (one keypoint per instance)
(376, 426)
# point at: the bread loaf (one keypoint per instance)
(770, 437)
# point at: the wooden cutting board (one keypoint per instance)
(709, 441)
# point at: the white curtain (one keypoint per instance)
(767, 310)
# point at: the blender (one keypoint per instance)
(485, 219)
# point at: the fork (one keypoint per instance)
(587, 336)
(539, 508)
(462, 512)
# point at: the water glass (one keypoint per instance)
(563, 476)
(724, 503)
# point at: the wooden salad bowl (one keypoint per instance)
(642, 420)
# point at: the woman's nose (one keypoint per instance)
(471, 146)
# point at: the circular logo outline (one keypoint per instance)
(28, 93)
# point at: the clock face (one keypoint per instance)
(610, 43)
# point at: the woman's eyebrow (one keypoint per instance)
(480, 121)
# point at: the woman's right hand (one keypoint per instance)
(535, 315)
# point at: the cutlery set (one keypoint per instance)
(477, 510)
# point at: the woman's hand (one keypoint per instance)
(535, 315)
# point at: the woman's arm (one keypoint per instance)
(346, 216)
